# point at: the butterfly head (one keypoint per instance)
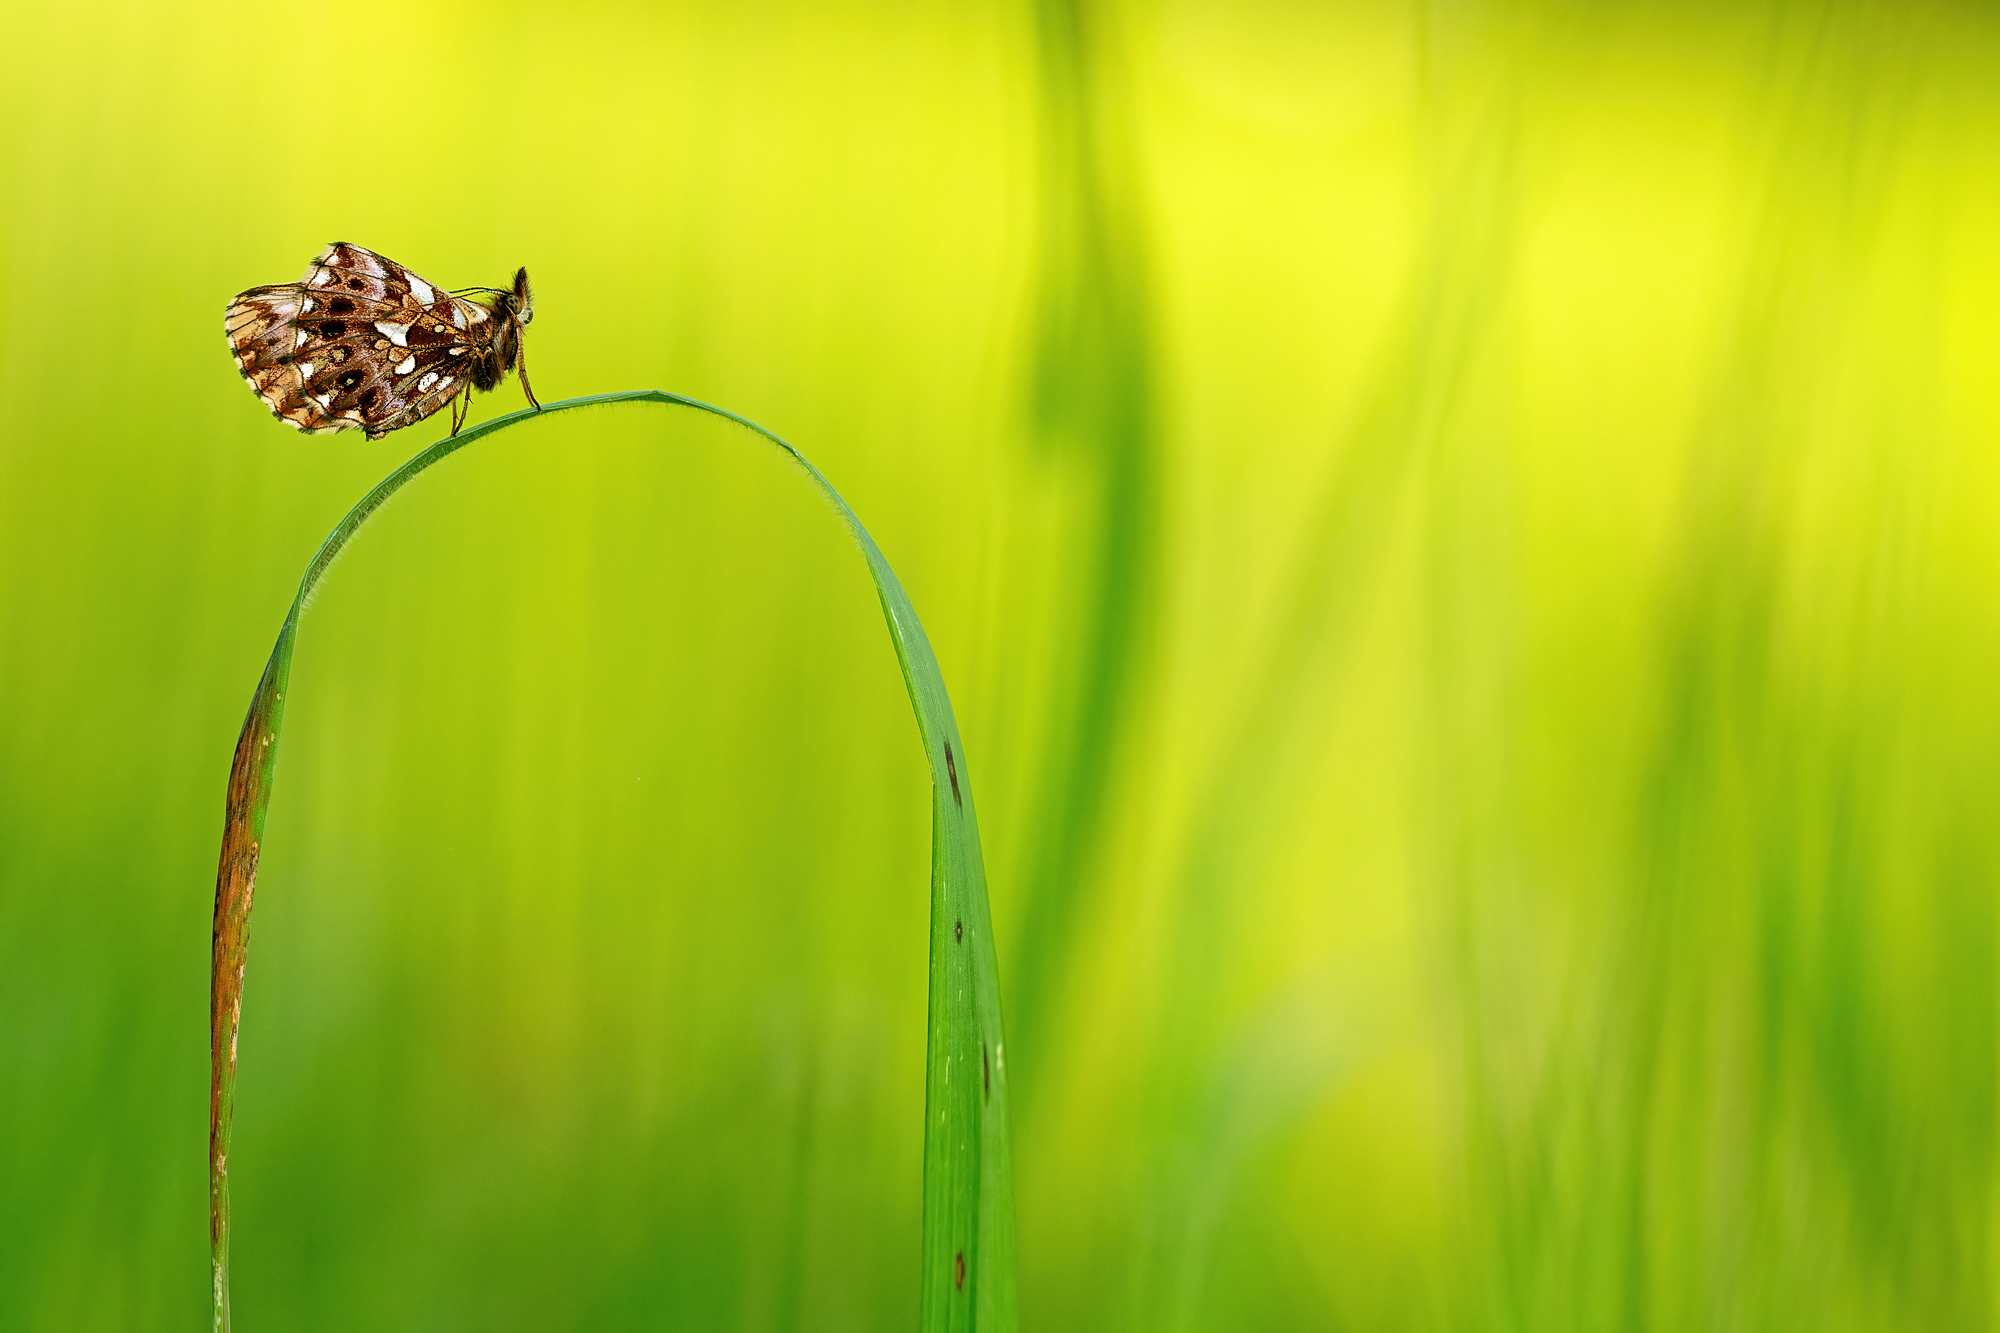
(521, 301)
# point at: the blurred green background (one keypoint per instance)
(1462, 536)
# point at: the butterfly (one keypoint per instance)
(362, 343)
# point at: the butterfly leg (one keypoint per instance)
(522, 365)
(461, 403)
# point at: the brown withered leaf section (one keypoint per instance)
(235, 884)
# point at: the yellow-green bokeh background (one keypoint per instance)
(1463, 542)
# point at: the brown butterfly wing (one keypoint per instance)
(262, 326)
(359, 343)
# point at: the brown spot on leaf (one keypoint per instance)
(985, 1070)
(957, 931)
(958, 1270)
(951, 770)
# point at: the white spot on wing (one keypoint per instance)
(398, 334)
(477, 314)
(306, 369)
(325, 400)
(423, 291)
(409, 363)
(322, 277)
(458, 315)
(305, 305)
(426, 382)
(458, 351)
(302, 340)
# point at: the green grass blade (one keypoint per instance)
(968, 1236)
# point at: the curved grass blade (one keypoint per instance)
(968, 1235)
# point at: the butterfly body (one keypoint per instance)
(362, 343)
